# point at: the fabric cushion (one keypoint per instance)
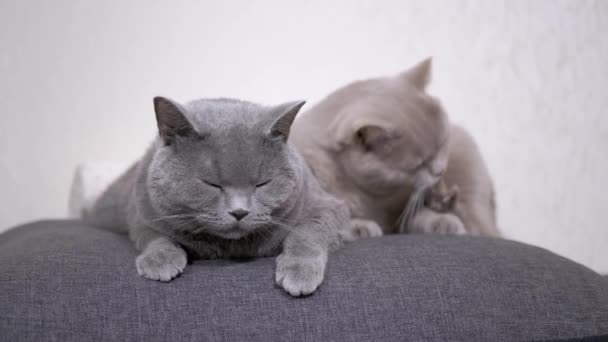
(65, 281)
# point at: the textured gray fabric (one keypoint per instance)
(65, 281)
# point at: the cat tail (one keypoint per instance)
(90, 182)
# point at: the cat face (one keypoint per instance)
(392, 134)
(224, 164)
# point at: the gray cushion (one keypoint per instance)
(65, 281)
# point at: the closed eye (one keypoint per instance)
(213, 185)
(262, 184)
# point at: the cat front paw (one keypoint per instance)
(446, 224)
(362, 229)
(300, 276)
(161, 262)
(431, 222)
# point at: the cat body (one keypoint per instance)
(221, 181)
(381, 144)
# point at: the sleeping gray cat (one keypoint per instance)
(221, 181)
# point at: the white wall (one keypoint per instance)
(528, 78)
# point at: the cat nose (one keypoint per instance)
(239, 213)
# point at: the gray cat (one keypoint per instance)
(221, 181)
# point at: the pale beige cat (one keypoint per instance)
(381, 144)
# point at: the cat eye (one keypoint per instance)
(262, 184)
(213, 185)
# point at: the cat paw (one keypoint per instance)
(445, 224)
(364, 229)
(300, 276)
(161, 262)
(361, 229)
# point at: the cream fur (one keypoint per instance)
(376, 143)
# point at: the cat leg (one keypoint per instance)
(361, 228)
(427, 221)
(301, 266)
(161, 258)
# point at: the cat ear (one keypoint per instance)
(171, 119)
(371, 136)
(420, 74)
(285, 113)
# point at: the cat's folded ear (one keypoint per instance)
(371, 136)
(171, 119)
(367, 135)
(284, 115)
(420, 74)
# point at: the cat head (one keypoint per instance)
(389, 133)
(224, 165)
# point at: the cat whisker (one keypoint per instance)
(412, 207)
(191, 233)
(168, 217)
(185, 223)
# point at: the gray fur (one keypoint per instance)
(215, 162)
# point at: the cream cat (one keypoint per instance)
(381, 145)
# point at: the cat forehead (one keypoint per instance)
(250, 165)
(415, 117)
(386, 112)
(208, 115)
(234, 131)
(387, 100)
(225, 105)
(233, 157)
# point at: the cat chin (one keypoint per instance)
(232, 233)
